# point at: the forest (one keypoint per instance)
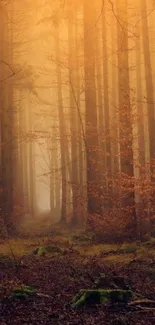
(77, 162)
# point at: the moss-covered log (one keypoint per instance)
(101, 296)
(23, 292)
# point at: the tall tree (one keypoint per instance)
(114, 113)
(91, 133)
(140, 172)
(149, 99)
(125, 120)
(63, 147)
(73, 115)
(106, 104)
(6, 122)
(80, 120)
(101, 121)
(31, 162)
(148, 78)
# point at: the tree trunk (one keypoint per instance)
(31, 161)
(63, 146)
(101, 123)
(125, 122)
(73, 118)
(91, 134)
(106, 109)
(150, 102)
(141, 205)
(6, 127)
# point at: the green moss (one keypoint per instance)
(46, 249)
(23, 292)
(40, 251)
(101, 296)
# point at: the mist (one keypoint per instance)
(77, 148)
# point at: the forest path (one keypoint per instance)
(40, 223)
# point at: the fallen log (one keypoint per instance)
(101, 296)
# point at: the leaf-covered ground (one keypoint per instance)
(59, 276)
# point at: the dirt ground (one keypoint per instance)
(60, 276)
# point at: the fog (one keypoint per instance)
(77, 162)
(78, 112)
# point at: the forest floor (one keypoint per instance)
(58, 276)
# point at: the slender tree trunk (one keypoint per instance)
(73, 118)
(32, 192)
(24, 157)
(106, 107)
(52, 174)
(6, 128)
(125, 122)
(21, 171)
(150, 102)
(148, 78)
(114, 120)
(63, 146)
(91, 108)
(141, 210)
(80, 140)
(57, 187)
(101, 123)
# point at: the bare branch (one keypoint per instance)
(12, 72)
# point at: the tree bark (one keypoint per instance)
(91, 134)
(125, 121)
